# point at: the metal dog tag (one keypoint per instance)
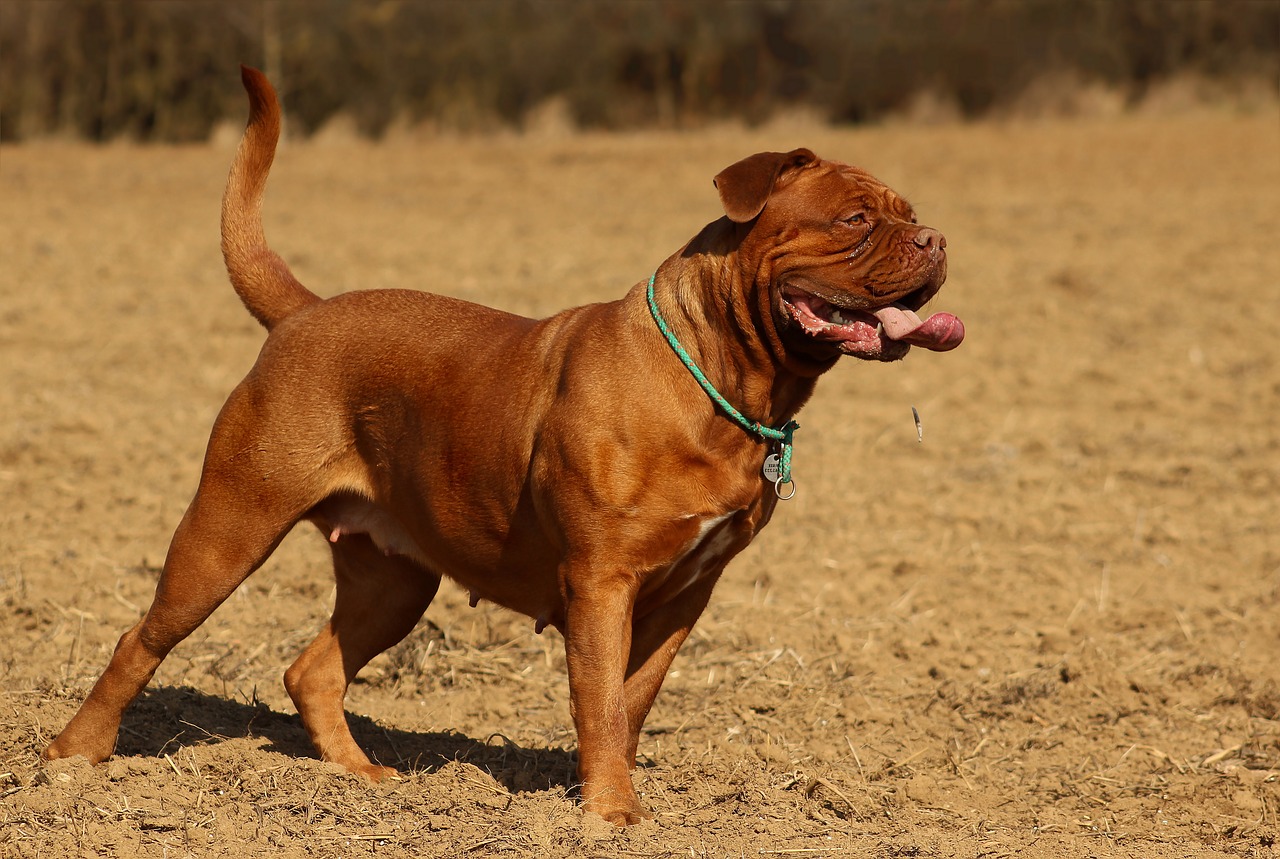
(771, 467)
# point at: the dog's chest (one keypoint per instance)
(717, 539)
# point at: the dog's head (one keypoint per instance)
(841, 261)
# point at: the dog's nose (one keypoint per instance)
(930, 239)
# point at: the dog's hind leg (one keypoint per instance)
(235, 521)
(379, 599)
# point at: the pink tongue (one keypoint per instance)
(940, 332)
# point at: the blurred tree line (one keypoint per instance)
(166, 69)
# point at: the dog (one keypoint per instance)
(595, 470)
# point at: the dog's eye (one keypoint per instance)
(856, 220)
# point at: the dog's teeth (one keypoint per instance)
(880, 329)
(837, 318)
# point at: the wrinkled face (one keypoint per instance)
(849, 267)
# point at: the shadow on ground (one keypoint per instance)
(166, 718)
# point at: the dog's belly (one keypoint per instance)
(350, 517)
(529, 591)
(529, 587)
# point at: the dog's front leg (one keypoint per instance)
(597, 647)
(654, 642)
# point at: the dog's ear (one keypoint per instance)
(745, 187)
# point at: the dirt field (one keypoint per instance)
(1050, 630)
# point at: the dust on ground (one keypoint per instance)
(1050, 630)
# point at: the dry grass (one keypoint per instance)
(1046, 631)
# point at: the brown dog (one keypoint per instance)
(428, 437)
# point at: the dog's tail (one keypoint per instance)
(260, 277)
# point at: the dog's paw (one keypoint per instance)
(619, 814)
(71, 743)
(627, 817)
(376, 774)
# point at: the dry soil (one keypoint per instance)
(1049, 630)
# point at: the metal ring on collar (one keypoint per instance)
(777, 489)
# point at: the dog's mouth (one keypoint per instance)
(884, 333)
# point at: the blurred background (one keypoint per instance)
(159, 70)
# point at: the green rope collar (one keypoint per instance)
(782, 435)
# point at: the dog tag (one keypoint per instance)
(771, 468)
